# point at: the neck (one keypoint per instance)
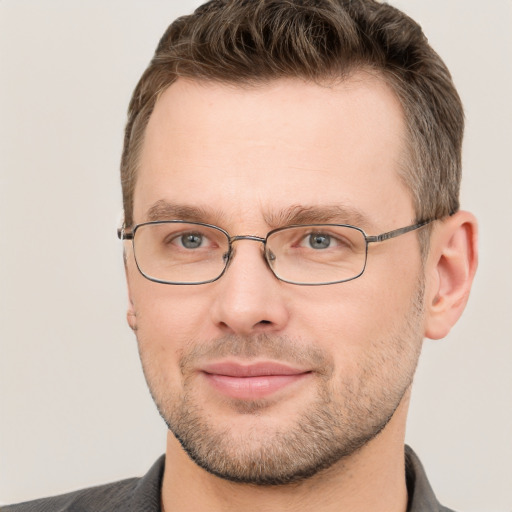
(373, 478)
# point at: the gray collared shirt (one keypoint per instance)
(143, 494)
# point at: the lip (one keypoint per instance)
(251, 381)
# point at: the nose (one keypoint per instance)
(249, 299)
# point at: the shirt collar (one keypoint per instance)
(421, 495)
(147, 493)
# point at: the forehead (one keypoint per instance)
(246, 152)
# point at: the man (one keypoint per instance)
(292, 232)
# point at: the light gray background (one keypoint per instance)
(74, 409)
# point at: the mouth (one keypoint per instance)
(252, 381)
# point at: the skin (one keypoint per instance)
(244, 156)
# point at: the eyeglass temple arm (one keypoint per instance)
(397, 232)
(124, 235)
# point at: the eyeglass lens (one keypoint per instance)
(187, 253)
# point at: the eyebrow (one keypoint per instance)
(163, 210)
(295, 214)
(329, 214)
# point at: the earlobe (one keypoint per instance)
(131, 317)
(450, 270)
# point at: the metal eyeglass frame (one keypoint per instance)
(369, 239)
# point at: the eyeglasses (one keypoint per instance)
(178, 252)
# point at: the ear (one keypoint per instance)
(450, 269)
(131, 316)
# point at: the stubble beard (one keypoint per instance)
(344, 415)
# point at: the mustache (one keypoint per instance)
(279, 348)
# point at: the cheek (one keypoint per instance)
(165, 325)
(167, 317)
(351, 318)
(170, 315)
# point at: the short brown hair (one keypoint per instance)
(251, 42)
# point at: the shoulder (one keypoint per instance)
(133, 494)
(110, 497)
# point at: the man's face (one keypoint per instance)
(264, 381)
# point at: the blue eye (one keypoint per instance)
(191, 240)
(319, 241)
